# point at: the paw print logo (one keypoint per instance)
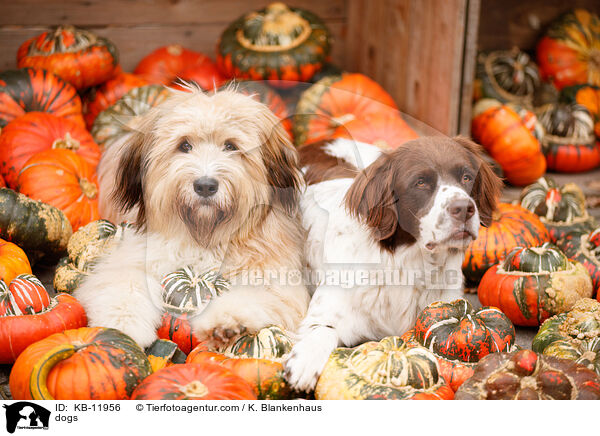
(294, 278)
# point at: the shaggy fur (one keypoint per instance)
(386, 243)
(251, 224)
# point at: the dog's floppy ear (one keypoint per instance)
(372, 199)
(281, 161)
(487, 185)
(131, 169)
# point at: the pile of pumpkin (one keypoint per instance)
(69, 80)
(532, 117)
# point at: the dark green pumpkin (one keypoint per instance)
(533, 284)
(84, 248)
(560, 208)
(162, 353)
(39, 229)
(573, 335)
(277, 43)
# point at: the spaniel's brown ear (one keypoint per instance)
(487, 186)
(281, 161)
(371, 198)
(132, 166)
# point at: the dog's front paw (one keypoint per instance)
(226, 334)
(305, 364)
(218, 329)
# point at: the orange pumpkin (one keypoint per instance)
(385, 130)
(28, 90)
(512, 226)
(79, 56)
(37, 131)
(98, 99)
(64, 180)
(569, 53)
(334, 101)
(17, 332)
(507, 138)
(166, 65)
(82, 364)
(193, 381)
(13, 261)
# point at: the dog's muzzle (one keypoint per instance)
(206, 186)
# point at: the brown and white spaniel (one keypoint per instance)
(386, 241)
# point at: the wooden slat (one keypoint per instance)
(469, 63)
(507, 23)
(136, 12)
(136, 42)
(414, 49)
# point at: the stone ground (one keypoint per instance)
(589, 182)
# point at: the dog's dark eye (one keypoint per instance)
(467, 178)
(230, 146)
(421, 183)
(185, 146)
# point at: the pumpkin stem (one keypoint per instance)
(343, 119)
(195, 389)
(175, 49)
(496, 215)
(39, 374)
(88, 188)
(68, 143)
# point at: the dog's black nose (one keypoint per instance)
(461, 210)
(206, 186)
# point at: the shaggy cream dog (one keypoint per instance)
(210, 181)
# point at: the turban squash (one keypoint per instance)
(460, 336)
(507, 76)
(85, 246)
(257, 358)
(62, 179)
(194, 381)
(569, 53)
(186, 293)
(525, 375)
(100, 98)
(569, 143)
(587, 96)
(166, 65)
(533, 284)
(573, 335)
(39, 229)
(29, 90)
(39, 131)
(78, 56)
(560, 208)
(115, 121)
(89, 363)
(584, 247)
(28, 314)
(13, 261)
(349, 105)
(385, 370)
(505, 133)
(278, 43)
(512, 226)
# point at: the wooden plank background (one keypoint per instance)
(507, 23)
(414, 48)
(139, 26)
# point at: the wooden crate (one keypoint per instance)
(417, 49)
(503, 24)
